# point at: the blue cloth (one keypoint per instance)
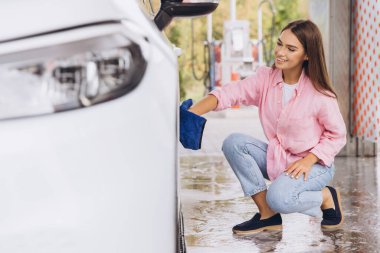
(191, 127)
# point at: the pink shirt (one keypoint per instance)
(310, 122)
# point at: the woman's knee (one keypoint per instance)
(280, 201)
(233, 142)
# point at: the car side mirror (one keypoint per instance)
(177, 8)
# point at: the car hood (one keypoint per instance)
(20, 18)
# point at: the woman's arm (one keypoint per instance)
(333, 138)
(205, 105)
(246, 92)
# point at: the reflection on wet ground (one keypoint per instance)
(212, 203)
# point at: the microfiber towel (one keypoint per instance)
(191, 127)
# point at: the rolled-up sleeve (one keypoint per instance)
(244, 92)
(333, 137)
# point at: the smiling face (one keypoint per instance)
(289, 52)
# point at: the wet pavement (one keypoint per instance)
(213, 202)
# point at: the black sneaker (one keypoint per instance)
(333, 218)
(255, 225)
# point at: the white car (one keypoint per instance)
(88, 129)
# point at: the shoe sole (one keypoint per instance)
(255, 231)
(341, 213)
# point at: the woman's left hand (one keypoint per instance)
(297, 168)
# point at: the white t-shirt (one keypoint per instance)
(287, 92)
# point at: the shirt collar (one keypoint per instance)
(277, 77)
(278, 80)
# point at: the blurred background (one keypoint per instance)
(191, 36)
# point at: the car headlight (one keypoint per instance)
(70, 69)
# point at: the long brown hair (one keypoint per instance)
(315, 67)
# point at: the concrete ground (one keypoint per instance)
(213, 202)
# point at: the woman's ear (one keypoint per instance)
(306, 58)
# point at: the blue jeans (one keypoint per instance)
(247, 157)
